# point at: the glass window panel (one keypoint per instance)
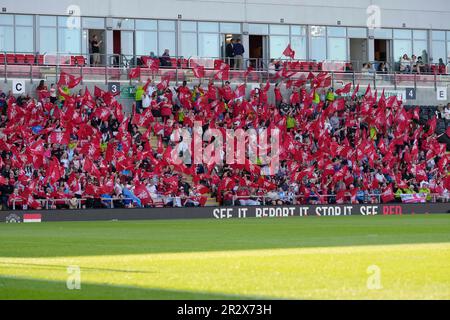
(317, 31)
(47, 21)
(208, 45)
(93, 23)
(358, 33)
(123, 24)
(402, 34)
(262, 29)
(47, 40)
(419, 47)
(298, 31)
(439, 51)
(166, 25)
(208, 27)
(420, 34)
(189, 26)
(85, 42)
(402, 47)
(127, 43)
(337, 49)
(337, 32)
(318, 48)
(298, 44)
(188, 44)
(438, 35)
(6, 38)
(448, 51)
(277, 45)
(279, 29)
(146, 25)
(6, 19)
(69, 40)
(383, 33)
(24, 39)
(22, 20)
(167, 41)
(233, 28)
(146, 42)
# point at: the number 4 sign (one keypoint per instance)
(411, 94)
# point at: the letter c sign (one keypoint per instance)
(18, 87)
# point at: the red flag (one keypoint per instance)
(288, 52)
(388, 195)
(69, 80)
(165, 82)
(240, 91)
(153, 64)
(346, 89)
(355, 92)
(222, 70)
(199, 71)
(135, 73)
(62, 138)
(141, 192)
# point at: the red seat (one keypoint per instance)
(11, 58)
(40, 59)
(442, 69)
(30, 58)
(81, 60)
(174, 62)
(433, 69)
(183, 63)
(2, 59)
(20, 58)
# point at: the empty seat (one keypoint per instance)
(30, 58)
(40, 59)
(2, 59)
(20, 58)
(11, 58)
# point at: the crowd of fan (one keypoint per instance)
(81, 150)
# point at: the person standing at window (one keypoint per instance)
(95, 48)
(239, 55)
(229, 53)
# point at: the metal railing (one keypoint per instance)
(116, 68)
(328, 199)
(75, 203)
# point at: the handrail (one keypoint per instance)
(263, 199)
(47, 202)
(112, 71)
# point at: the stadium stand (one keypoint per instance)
(65, 150)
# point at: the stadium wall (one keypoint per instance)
(225, 213)
(433, 14)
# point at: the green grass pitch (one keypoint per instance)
(357, 257)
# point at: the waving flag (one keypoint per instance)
(346, 89)
(288, 52)
(199, 71)
(68, 80)
(240, 91)
(135, 73)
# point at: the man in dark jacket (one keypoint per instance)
(229, 52)
(239, 55)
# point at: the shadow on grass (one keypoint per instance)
(151, 237)
(25, 289)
